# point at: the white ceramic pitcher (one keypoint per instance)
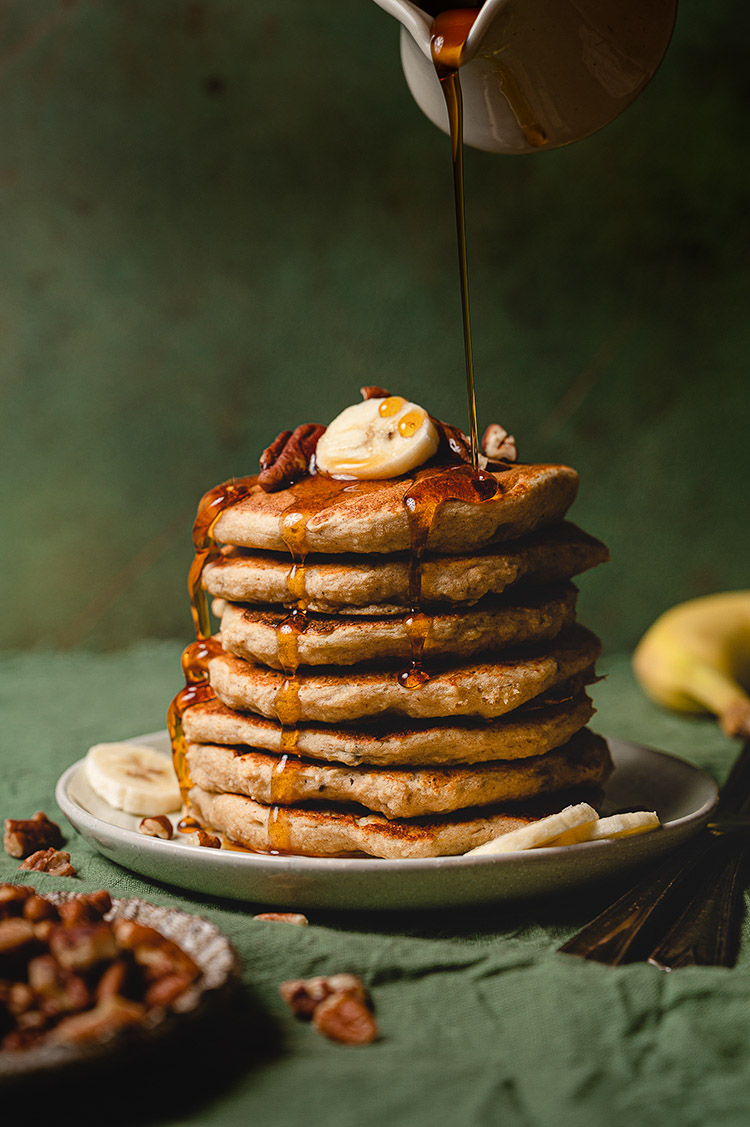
(539, 73)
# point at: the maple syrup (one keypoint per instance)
(450, 30)
(310, 496)
(196, 656)
(422, 500)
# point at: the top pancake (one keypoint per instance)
(380, 584)
(370, 516)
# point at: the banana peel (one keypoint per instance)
(696, 658)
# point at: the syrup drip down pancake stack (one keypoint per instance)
(398, 671)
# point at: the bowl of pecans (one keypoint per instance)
(82, 975)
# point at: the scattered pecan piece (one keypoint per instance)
(345, 1018)
(498, 445)
(284, 918)
(12, 899)
(158, 825)
(55, 861)
(372, 391)
(23, 836)
(302, 995)
(202, 837)
(288, 457)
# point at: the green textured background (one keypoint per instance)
(219, 219)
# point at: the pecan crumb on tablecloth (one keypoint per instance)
(23, 836)
(338, 1006)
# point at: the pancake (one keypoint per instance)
(522, 733)
(370, 516)
(486, 689)
(533, 615)
(353, 584)
(402, 792)
(328, 831)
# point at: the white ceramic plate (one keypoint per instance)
(682, 795)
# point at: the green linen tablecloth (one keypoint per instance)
(482, 1021)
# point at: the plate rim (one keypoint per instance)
(330, 865)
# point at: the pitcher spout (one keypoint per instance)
(419, 23)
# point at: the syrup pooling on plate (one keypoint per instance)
(196, 656)
(422, 501)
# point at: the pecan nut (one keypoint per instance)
(38, 908)
(157, 955)
(55, 861)
(498, 445)
(158, 825)
(287, 459)
(13, 898)
(23, 836)
(204, 838)
(303, 995)
(82, 946)
(87, 908)
(372, 391)
(57, 990)
(284, 918)
(453, 444)
(345, 1018)
(17, 938)
(106, 1019)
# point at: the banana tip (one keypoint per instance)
(735, 720)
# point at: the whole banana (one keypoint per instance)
(696, 658)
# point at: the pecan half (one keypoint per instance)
(287, 459)
(109, 1016)
(17, 938)
(38, 908)
(303, 995)
(12, 899)
(345, 1018)
(23, 836)
(204, 838)
(82, 946)
(55, 861)
(157, 955)
(158, 825)
(58, 990)
(372, 391)
(453, 442)
(87, 908)
(498, 445)
(283, 918)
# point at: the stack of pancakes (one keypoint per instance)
(494, 737)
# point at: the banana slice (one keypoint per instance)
(616, 826)
(539, 833)
(376, 439)
(135, 779)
